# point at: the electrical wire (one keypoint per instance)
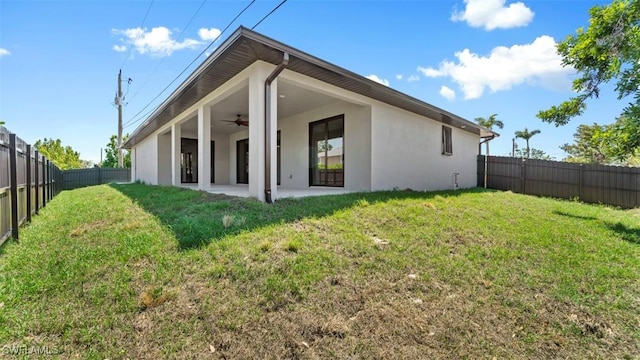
(269, 14)
(170, 50)
(135, 118)
(138, 35)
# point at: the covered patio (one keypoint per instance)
(221, 145)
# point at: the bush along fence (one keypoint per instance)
(611, 185)
(28, 181)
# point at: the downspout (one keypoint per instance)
(486, 157)
(267, 126)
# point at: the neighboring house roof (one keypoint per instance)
(245, 46)
(333, 152)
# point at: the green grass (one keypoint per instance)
(136, 271)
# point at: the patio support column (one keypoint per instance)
(204, 147)
(256, 129)
(176, 143)
(273, 134)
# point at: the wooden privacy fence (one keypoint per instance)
(76, 178)
(27, 182)
(611, 185)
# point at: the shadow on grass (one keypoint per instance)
(196, 217)
(627, 233)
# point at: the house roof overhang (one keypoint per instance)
(244, 47)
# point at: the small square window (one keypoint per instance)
(447, 144)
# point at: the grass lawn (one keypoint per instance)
(136, 271)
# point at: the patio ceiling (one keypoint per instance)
(245, 46)
(292, 100)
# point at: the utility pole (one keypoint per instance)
(118, 102)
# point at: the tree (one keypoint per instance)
(324, 146)
(535, 154)
(587, 145)
(527, 135)
(111, 153)
(607, 50)
(64, 157)
(489, 123)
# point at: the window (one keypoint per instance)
(447, 144)
(326, 152)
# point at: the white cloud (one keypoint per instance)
(413, 78)
(494, 14)
(156, 42)
(4, 52)
(120, 48)
(375, 78)
(535, 63)
(209, 34)
(399, 76)
(447, 93)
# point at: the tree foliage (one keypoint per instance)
(533, 154)
(489, 123)
(64, 157)
(603, 144)
(527, 135)
(608, 50)
(111, 153)
(587, 146)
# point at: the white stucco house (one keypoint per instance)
(258, 118)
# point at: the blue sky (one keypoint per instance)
(59, 60)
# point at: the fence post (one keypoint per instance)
(50, 182)
(28, 183)
(523, 175)
(45, 176)
(37, 179)
(580, 182)
(13, 179)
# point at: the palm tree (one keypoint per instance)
(489, 123)
(526, 135)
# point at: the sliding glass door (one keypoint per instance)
(326, 152)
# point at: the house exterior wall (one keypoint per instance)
(147, 160)
(294, 140)
(407, 152)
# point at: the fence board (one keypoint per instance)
(612, 185)
(72, 179)
(20, 193)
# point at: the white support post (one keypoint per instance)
(274, 140)
(256, 131)
(176, 151)
(204, 147)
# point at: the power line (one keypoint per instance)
(172, 46)
(133, 120)
(138, 34)
(269, 14)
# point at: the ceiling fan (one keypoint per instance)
(238, 121)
